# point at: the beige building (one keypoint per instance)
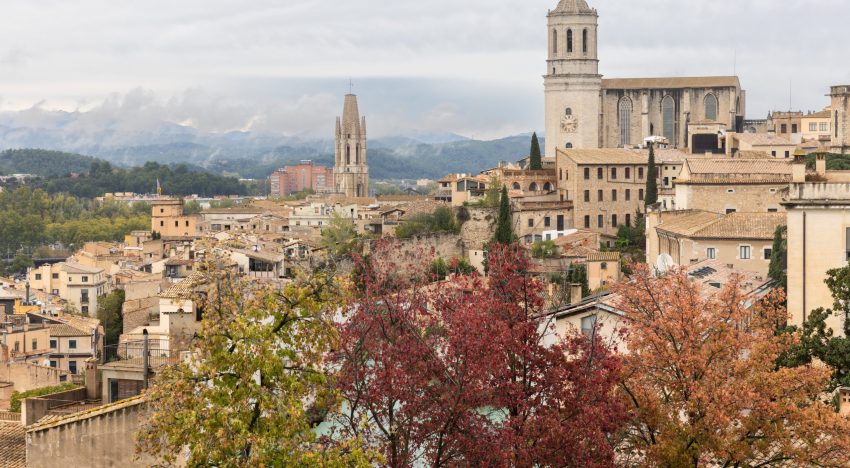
(78, 284)
(817, 126)
(840, 96)
(727, 185)
(460, 189)
(776, 146)
(23, 342)
(743, 241)
(168, 220)
(70, 347)
(818, 207)
(585, 111)
(785, 124)
(603, 269)
(351, 170)
(532, 219)
(606, 186)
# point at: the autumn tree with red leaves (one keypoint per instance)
(459, 372)
(702, 381)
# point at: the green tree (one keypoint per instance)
(256, 384)
(651, 197)
(818, 341)
(504, 223)
(20, 263)
(340, 237)
(535, 160)
(110, 316)
(544, 249)
(778, 257)
(442, 219)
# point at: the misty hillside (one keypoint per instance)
(249, 155)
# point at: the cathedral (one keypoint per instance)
(583, 110)
(351, 172)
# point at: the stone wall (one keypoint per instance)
(28, 376)
(751, 198)
(104, 437)
(477, 231)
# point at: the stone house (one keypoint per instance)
(727, 185)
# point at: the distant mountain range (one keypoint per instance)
(250, 155)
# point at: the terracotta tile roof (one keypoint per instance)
(603, 257)
(13, 445)
(753, 155)
(79, 268)
(736, 170)
(824, 114)
(183, 289)
(63, 329)
(672, 82)
(605, 156)
(704, 225)
(763, 139)
(86, 414)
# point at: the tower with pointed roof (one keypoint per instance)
(351, 171)
(572, 82)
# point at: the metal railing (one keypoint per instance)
(155, 352)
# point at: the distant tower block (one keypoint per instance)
(840, 113)
(351, 171)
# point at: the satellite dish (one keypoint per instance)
(664, 263)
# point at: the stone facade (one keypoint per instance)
(585, 111)
(168, 220)
(722, 198)
(351, 170)
(606, 187)
(841, 119)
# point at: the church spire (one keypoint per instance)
(351, 170)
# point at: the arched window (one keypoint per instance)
(547, 187)
(555, 41)
(668, 117)
(516, 186)
(533, 187)
(347, 154)
(357, 155)
(568, 112)
(625, 121)
(569, 145)
(583, 41)
(569, 41)
(711, 107)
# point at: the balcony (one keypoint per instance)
(132, 353)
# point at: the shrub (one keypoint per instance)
(17, 397)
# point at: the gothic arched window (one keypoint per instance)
(568, 112)
(547, 187)
(711, 107)
(625, 121)
(584, 41)
(533, 187)
(357, 155)
(516, 186)
(347, 154)
(555, 41)
(569, 41)
(668, 119)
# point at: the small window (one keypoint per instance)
(600, 221)
(628, 172)
(72, 366)
(730, 210)
(745, 252)
(711, 253)
(613, 194)
(530, 222)
(603, 266)
(813, 127)
(773, 210)
(600, 195)
(55, 275)
(38, 276)
(613, 220)
(568, 146)
(731, 190)
(613, 173)
(586, 173)
(72, 344)
(587, 226)
(547, 221)
(84, 309)
(628, 194)
(85, 279)
(773, 153)
(628, 219)
(784, 128)
(640, 173)
(587, 195)
(773, 190)
(53, 363)
(768, 252)
(161, 223)
(640, 194)
(52, 344)
(34, 344)
(588, 324)
(600, 174)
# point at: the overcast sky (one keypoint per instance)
(467, 66)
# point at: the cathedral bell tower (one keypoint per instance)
(351, 173)
(572, 83)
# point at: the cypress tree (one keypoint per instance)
(651, 179)
(776, 270)
(535, 160)
(504, 224)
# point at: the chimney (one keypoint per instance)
(575, 293)
(820, 164)
(844, 401)
(27, 298)
(798, 169)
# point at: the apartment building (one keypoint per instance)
(79, 285)
(606, 186)
(728, 185)
(743, 241)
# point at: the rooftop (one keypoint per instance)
(63, 329)
(605, 156)
(706, 225)
(13, 446)
(763, 139)
(738, 170)
(672, 82)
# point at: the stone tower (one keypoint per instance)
(573, 85)
(840, 114)
(351, 172)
